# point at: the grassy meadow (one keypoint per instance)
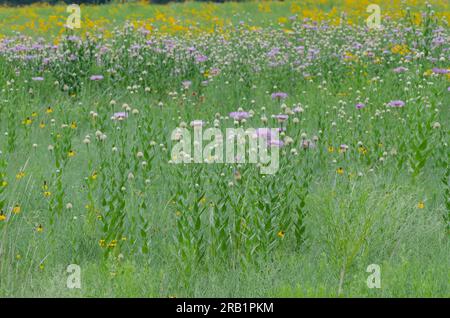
(90, 118)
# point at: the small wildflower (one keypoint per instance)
(340, 171)
(362, 150)
(421, 205)
(16, 209)
(20, 175)
(2, 216)
(39, 228)
(280, 234)
(27, 121)
(71, 153)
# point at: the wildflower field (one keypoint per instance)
(354, 113)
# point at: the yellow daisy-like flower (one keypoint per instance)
(330, 149)
(340, 171)
(73, 125)
(34, 114)
(47, 194)
(280, 234)
(71, 153)
(362, 150)
(42, 125)
(39, 228)
(94, 175)
(102, 243)
(4, 183)
(2, 216)
(49, 110)
(16, 209)
(112, 244)
(421, 205)
(27, 121)
(20, 175)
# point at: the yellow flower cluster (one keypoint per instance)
(192, 18)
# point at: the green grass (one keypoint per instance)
(195, 230)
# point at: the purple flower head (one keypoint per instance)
(298, 109)
(276, 143)
(343, 148)
(215, 71)
(186, 84)
(396, 103)
(96, 77)
(360, 106)
(400, 69)
(73, 38)
(440, 70)
(239, 115)
(281, 117)
(120, 115)
(267, 133)
(279, 95)
(201, 58)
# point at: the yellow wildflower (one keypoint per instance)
(16, 209)
(27, 121)
(20, 175)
